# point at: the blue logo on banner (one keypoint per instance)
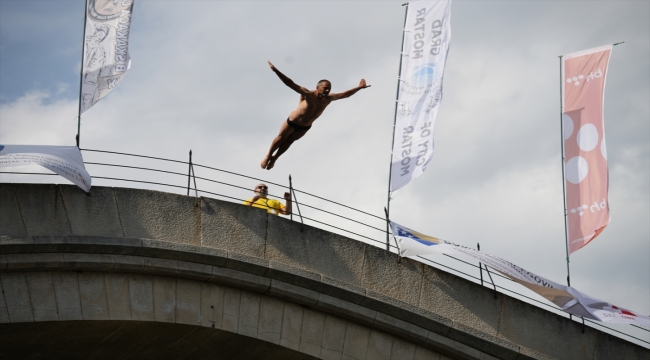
(424, 74)
(2, 147)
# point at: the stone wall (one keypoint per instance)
(56, 229)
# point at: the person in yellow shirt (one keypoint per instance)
(272, 206)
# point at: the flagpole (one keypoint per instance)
(566, 226)
(81, 72)
(392, 145)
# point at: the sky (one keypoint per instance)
(199, 80)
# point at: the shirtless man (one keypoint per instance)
(311, 106)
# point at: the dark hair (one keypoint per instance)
(324, 80)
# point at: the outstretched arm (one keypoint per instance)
(295, 87)
(348, 93)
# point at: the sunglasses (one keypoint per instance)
(262, 187)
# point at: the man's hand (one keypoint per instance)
(287, 196)
(271, 66)
(362, 84)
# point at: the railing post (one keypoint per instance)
(480, 267)
(293, 196)
(189, 172)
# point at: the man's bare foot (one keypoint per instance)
(265, 162)
(269, 166)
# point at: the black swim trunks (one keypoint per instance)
(298, 127)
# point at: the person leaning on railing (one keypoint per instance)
(272, 206)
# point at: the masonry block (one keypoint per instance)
(118, 296)
(188, 302)
(43, 209)
(212, 301)
(141, 296)
(315, 250)
(93, 214)
(92, 292)
(233, 227)
(270, 323)
(41, 292)
(292, 319)
(11, 221)
(164, 299)
(380, 345)
(16, 294)
(157, 215)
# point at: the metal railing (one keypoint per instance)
(362, 225)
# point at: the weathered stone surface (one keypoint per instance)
(42, 208)
(333, 337)
(609, 347)
(402, 350)
(41, 291)
(292, 275)
(270, 319)
(422, 353)
(231, 304)
(157, 215)
(141, 297)
(188, 302)
(311, 336)
(487, 343)
(401, 327)
(355, 345)
(346, 309)
(315, 250)
(16, 293)
(92, 214)
(241, 279)
(118, 296)
(383, 274)
(249, 313)
(34, 261)
(344, 291)
(94, 262)
(4, 313)
(128, 262)
(193, 270)
(164, 299)
(461, 300)
(452, 347)
(11, 221)
(293, 293)
(92, 293)
(559, 335)
(380, 345)
(292, 319)
(233, 227)
(212, 301)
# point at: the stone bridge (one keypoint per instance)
(127, 273)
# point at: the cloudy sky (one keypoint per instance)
(199, 80)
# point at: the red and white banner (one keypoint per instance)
(585, 155)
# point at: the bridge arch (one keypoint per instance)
(132, 258)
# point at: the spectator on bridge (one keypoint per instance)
(272, 206)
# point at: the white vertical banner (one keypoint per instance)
(106, 48)
(427, 35)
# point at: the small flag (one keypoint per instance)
(106, 49)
